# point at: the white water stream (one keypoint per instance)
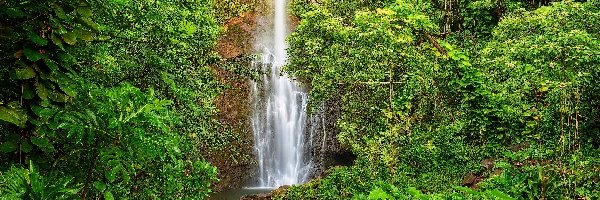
(279, 109)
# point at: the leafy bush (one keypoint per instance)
(20, 183)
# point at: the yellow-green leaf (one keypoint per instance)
(86, 35)
(13, 115)
(58, 97)
(24, 73)
(85, 11)
(70, 37)
(42, 91)
(89, 23)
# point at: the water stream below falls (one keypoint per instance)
(279, 109)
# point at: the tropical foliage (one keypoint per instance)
(107, 99)
(498, 96)
(439, 99)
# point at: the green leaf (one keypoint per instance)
(86, 35)
(35, 38)
(24, 73)
(26, 146)
(51, 64)
(60, 13)
(28, 92)
(32, 55)
(68, 88)
(13, 115)
(14, 13)
(110, 175)
(465, 190)
(84, 11)
(378, 193)
(69, 191)
(99, 186)
(42, 91)
(89, 23)
(8, 146)
(500, 195)
(58, 96)
(56, 41)
(416, 193)
(43, 143)
(70, 37)
(37, 184)
(108, 196)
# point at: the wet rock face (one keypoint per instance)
(233, 115)
(327, 150)
(238, 36)
(233, 106)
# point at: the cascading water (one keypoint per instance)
(279, 109)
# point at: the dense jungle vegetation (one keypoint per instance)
(108, 99)
(455, 99)
(483, 99)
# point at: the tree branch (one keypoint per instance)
(434, 43)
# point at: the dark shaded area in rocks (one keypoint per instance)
(327, 150)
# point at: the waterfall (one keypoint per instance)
(279, 109)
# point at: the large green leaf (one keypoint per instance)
(32, 55)
(51, 64)
(378, 193)
(24, 73)
(28, 92)
(35, 38)
(42, 91)
(43, 143)
(68, 88)
(70, 37)
(36, 181)
(8, 146)
(14, 13)
(60, 12)
(13, 115)
(89, 23)
(26, 146)
(56, 41)
(57, 96)
(86, 35)
(85, 11)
